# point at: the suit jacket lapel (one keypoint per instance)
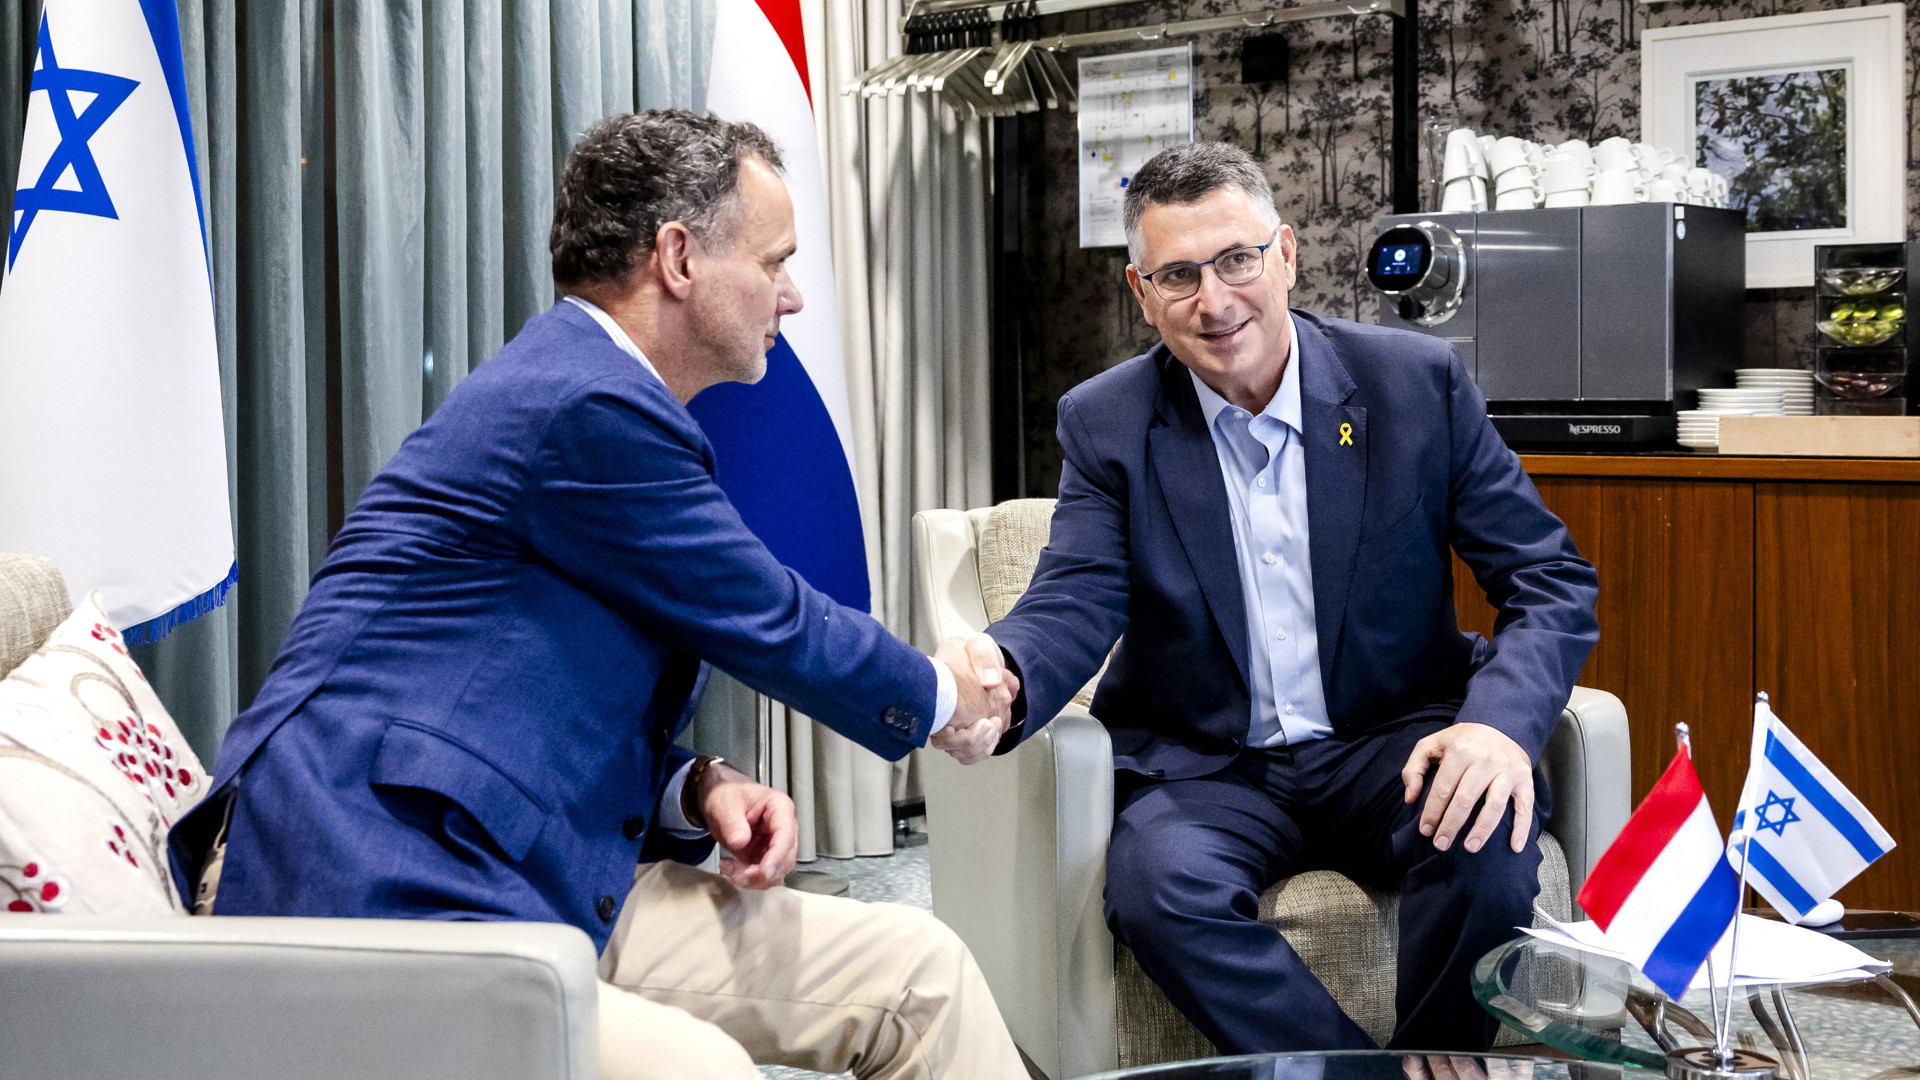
(1187, 469)
(1335, 441)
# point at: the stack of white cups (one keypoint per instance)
(1516, 183)
(1522, 175)
(1465, 173)
(1569, 175)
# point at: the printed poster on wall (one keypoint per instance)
(1132, 105)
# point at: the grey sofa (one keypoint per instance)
(1018, 843)
(222, 998)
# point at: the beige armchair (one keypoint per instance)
(1018, 843)
(221, 998)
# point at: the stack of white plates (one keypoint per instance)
(1759, 402)
(1795, 386)
(1700, 428)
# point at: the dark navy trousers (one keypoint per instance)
(1189, 859)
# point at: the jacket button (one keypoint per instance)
(633, 827)
(604, 909)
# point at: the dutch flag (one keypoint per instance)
(783, 447)
(1663, 893)
(113, 458)
(1809, 834)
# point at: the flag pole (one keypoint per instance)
(1725, 1032)
(1683, 735)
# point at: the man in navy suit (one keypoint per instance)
(1263, 504)
(473, 716)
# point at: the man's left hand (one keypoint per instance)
(1471, 760)
(754, 823)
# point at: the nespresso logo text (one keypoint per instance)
(1593, 429)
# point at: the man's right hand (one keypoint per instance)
(987, 690)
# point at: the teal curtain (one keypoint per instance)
(378, 177)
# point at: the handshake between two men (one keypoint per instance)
(985, 706)
(754, 823)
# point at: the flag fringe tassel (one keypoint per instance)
(161, 625)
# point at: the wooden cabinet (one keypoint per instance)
(1720, 577)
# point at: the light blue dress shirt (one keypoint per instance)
(1265, 468)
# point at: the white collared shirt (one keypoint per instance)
(1264, 466)
(618, 335)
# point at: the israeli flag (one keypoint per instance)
(1809, 834)
(112, 448)
(783, 447)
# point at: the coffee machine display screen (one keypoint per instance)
(1399, 259)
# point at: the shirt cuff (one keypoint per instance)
(672, 816)
(946, 698)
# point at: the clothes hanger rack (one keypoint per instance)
(989, 59)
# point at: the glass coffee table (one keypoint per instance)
(1601, 1009)
(1360, 1065)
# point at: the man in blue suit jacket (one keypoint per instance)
(1264, 504)
(473, 716)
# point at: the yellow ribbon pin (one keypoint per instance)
(1346, 434)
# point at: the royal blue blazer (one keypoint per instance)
(474, 713)
(1402, 464)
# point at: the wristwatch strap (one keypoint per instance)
(690, 791)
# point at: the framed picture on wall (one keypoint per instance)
(1804, 115)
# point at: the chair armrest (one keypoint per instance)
(1587, 766)
(1018, 846)
(947, 570)
(226, 998)
(33, 602)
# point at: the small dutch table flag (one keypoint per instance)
(1663, 893)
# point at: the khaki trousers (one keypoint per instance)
(706, 979)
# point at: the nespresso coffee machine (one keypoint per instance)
(1583, 326)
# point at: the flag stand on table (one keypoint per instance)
(1723, 1031)
(1722, 1019)
(1720, 1061)
(1664, 893)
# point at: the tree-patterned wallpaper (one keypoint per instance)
(1547, 70)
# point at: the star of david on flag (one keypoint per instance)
(70, 180)
(1766, 816)
(1810, 835)
(110, 421)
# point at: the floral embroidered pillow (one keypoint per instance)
(93, 773)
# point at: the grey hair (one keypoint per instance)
(1187, 173)
(634, 172)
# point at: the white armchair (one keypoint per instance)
(223, 998)
(1018, 843)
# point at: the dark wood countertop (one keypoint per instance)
(1706, 466)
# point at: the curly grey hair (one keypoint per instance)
(1188, 173)
(634, 172)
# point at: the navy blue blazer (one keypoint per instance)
(473, 715)
(1142, 544)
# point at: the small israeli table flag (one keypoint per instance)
(1801, 833)
(112, 447)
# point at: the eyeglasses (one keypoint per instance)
(1235, 266)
